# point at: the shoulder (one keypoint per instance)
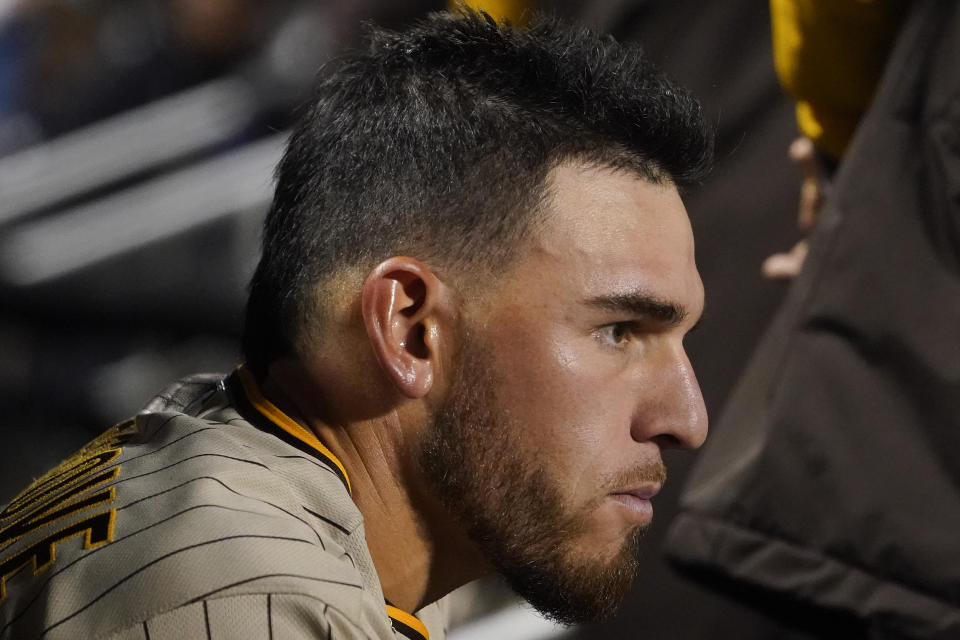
(177, 508)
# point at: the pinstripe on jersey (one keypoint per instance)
(211, 514)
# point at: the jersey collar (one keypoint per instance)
(407, 625)
(267, 416)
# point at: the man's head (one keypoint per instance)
(499, 209)
(436, 143)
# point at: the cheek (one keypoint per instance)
(570, 404)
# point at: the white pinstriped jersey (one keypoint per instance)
(210, 515)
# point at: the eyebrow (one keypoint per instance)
(641, 304)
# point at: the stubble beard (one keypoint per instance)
(512, 512)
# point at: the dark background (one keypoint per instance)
(84, 347)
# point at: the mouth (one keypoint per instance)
(638, 501)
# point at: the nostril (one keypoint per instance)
(668, 441)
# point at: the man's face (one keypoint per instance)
(571, 379)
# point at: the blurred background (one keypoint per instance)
(137, 144)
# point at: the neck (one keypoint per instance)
(419, 552)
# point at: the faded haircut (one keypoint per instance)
(435, 142)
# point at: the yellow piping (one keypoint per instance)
(285, 422)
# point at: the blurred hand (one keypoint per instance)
(813, 185)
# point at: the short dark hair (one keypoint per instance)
(436, 143)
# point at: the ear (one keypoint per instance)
(400, 302)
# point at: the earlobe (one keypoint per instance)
(398, 303)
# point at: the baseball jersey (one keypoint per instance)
(212, 514)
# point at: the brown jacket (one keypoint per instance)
(831, 485)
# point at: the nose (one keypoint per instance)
(673, 413)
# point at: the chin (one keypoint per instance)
(576, 584)
(610, 536)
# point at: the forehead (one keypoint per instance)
(608, 231)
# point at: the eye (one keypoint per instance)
(616, 334)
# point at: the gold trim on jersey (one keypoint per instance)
(60, 494)
(408, 620)
(252, 390)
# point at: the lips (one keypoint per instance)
(637, 501)
(642, 493)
